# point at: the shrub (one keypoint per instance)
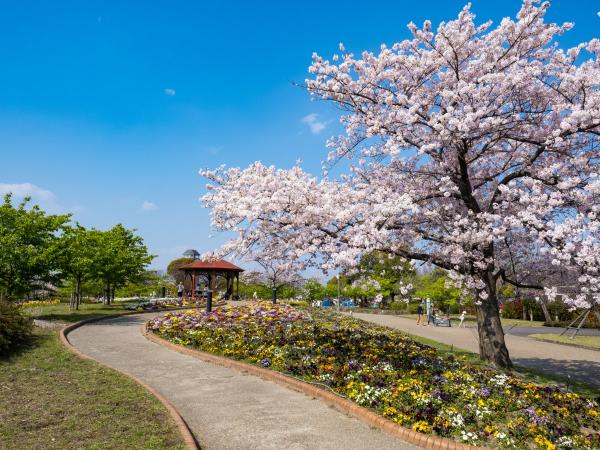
(298, 303)
(400, 306)
(15, 327)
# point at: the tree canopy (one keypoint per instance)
(469, 146)
(29, 239)
(40, 251)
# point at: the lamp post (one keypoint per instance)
(339, 294)
(274, 295)
(208, 300)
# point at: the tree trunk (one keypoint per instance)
(524, 310)
(491, 335)
(77, 292)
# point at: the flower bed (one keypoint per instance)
(33, 303)
(383, 369)
(165, 304)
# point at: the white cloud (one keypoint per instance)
(315, 125)
(149, 206)
(21, 190)
(170, 92)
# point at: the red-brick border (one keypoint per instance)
(343, 404)
(184, 430)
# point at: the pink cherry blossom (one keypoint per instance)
(473, 147)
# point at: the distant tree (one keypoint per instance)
(173, 268)
(150, 281)
(278, 273)
(29, 252)
(437, 286)
(313, 290)
(251, 282)
(382, 274)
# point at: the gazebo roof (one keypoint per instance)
(219, 264)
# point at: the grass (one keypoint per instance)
(62, 313)
(471, 321)
(592, 342)
(51, 399)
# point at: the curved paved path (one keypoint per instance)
(224, 408)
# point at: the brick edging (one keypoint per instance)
(343, 404)
(188, 438)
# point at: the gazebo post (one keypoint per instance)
(237, 288)
(227, 291)
(193, 285)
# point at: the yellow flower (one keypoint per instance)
(390, 411)
(544, 443)
(421, 426)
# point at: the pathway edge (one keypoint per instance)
(188, 438)
(343, 404)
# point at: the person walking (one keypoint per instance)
(419, 313)
(180, 290)
(462, 319)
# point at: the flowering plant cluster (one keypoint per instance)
(385, 370)
(167, 303)
(33, 303)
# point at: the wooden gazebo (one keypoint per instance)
(208, 271)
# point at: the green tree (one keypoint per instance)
(78, 247)
(313, 290)
(29, 256)
(377, 274)
(435, 286)
(121, 257)
(173, 268)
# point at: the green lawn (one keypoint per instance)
(471, 321)
(51, 399)
(584, 341)
(62, 313)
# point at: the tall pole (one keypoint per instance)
(339, 294)
(274, 294)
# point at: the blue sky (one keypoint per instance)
(108, 109)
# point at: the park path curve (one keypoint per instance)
(580, 364)
(224, 408)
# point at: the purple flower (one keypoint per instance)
(265, 362)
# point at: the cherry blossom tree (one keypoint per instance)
(279, 273)
(469, 147)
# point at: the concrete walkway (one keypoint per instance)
(224, 408)
(555, 359)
